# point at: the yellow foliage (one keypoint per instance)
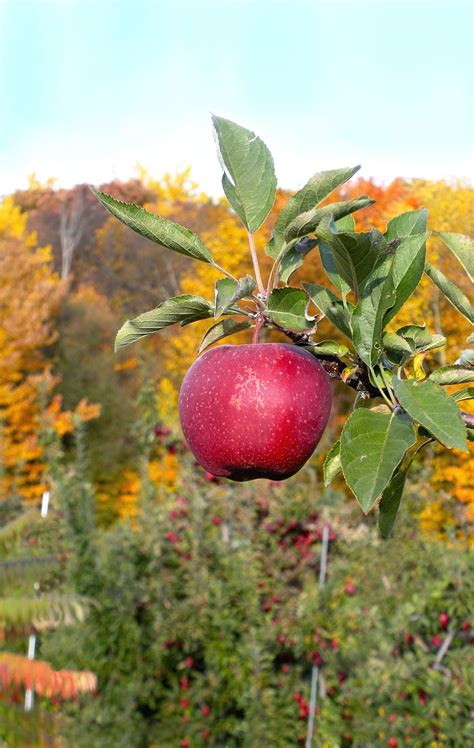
(450, 209)
(30, 294)
(163, 475)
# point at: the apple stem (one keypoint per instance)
(256, 266)
(259, 321)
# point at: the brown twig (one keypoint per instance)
(359, 379)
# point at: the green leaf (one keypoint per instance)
(429, 405)
(184, 308)
(332, 463)
(452, 375)
(354, 255)
(390, 503)
(421, 338)
(332, 308)
(407, 270)
(228, 292)
(407, 224)
(232, 197)
(328, 348)
(248, 164)
(466, 358)
(159, 230)
(378, 295)
(294, 257)
(222, 329)
(372, 445)
(462, 248)
(287, 307)
(453, 294)
(224, 293)
(396, 344)
(467, 393)
(329, 264)
(320, 186)
(346, 224)
(306, 222)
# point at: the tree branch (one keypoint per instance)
(359, 380)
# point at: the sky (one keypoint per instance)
(91, 88)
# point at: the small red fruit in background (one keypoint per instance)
(408, 638)
(392, 743)
(350, 589)
(254, 411)
(443, 620)
(206, 710)
(161, 431)
(436, 641)
(466, 626)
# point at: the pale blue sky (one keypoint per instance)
(88, 88)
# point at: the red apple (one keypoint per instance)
(254, 411)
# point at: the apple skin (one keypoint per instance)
(254, 411)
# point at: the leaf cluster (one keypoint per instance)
(370, 276)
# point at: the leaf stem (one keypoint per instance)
(387, 400)
(223, 270)
(274, 267)
(256, 266)
(417, 449)
(387, 385)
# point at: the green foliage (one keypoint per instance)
(454, 295)
(332, 464)
(159, 230)
(320, 186)
(42, 612)
(211, 618)
(84, 356)
(390, 502)
(329, 305)
(229, 291)
(287, 307)
(184, 309)
(308, 222)
(428, 404)
(407, 224)
(249, 180)
(222, 329)
(462, 248)
(372, 445)
(374, 275)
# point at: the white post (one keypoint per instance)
(29, 693)
(315, 671)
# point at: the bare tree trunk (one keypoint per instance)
(71, 228)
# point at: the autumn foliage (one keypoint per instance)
(16, 670)
(115, 274)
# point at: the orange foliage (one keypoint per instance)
(65, 684)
